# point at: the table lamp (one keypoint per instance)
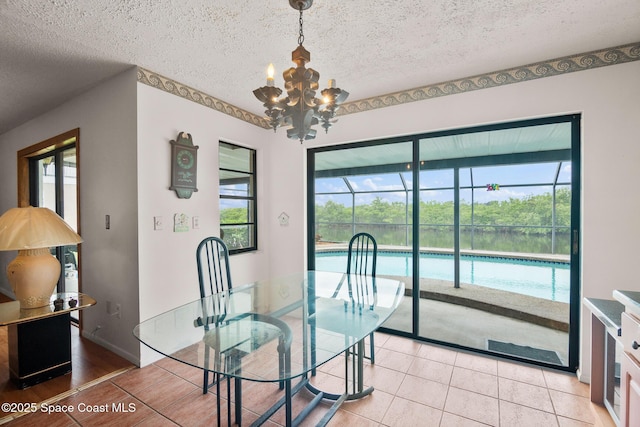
(34, 273)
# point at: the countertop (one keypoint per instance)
(631, 301)
(609, 312)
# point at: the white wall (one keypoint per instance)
(167, 270)
(106, 116)
(608, 99)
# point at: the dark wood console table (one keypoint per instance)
(40, 338)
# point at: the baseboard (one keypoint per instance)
(583, 377)
(114, 349)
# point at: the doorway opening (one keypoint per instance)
(48, 177)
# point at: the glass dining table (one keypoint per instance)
(279, 330)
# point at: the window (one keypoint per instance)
(238, 226)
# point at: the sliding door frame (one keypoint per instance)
(573, 153)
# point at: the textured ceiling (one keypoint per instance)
(52, 50)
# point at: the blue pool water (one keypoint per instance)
(548, 280)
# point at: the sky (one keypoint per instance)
(439, 184)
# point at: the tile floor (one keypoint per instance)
(416, 384)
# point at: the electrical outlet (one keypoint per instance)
(113, 309)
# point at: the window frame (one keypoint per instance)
(250, 198)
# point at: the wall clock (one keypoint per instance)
(184, 165)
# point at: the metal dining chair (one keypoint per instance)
(214, 276)
(361, 261)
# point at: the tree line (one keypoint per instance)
(533, 210)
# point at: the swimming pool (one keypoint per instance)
(542, 279)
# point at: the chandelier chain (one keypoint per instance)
(301, 36)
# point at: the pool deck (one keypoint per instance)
(539, 311)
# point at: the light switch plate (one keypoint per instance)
(157, 223)
(195, 222)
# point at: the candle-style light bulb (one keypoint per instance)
(270, 72)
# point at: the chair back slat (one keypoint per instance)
(362, 255)
(214, 274)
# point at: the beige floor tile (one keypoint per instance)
(515, 415)
(520, 372)
(439, 354)
(474, 406)
(403, 413)
(568, 422)
(382, 378)
(373, 406)
(344, 418)
(403, 345)
(423, 391)
(572, 406)
(380, 339)
(329, 383)
(525, 394)
(394, 360)
(475, 381)
(258, 397)
(477, 363)
(565, 381)
(431, 370)
(452, 420)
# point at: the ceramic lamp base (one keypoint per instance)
(33, 275)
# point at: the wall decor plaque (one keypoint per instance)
(184, 165)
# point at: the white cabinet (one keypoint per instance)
(630, 375)
(630, 416)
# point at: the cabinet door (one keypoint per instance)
(630, 411)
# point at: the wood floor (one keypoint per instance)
(90, 363)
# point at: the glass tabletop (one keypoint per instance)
(275, 329)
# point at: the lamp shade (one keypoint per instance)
(33, 228)
(34, 273)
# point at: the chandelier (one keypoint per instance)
(300, 109)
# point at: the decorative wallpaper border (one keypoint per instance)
(183, 91)
(554, 67)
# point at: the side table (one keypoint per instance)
(39, 339)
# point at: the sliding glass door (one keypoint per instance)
(480, 224)
(53, 185)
